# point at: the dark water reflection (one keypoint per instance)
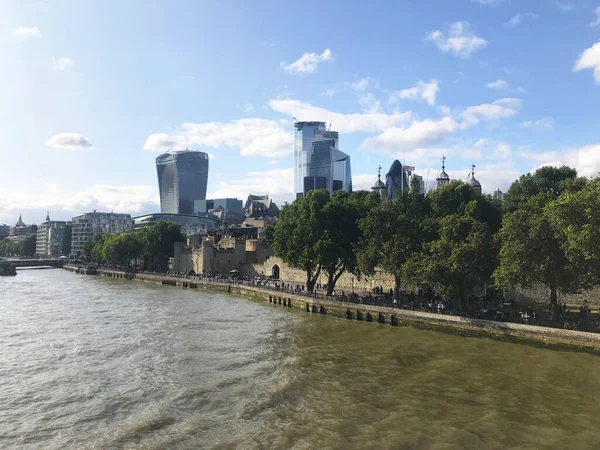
(89, 362)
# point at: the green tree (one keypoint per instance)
(532, 253)
(460, 198)
(548, 180)
(159, 240)
(298, 233)
(338, 246)
(28, 246)
(460, 259)
(393, 233)
(575, 216)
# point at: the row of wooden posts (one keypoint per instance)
(277, 300)
(312, 308)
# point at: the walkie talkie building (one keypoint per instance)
(182, 178)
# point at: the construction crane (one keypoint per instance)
(427, 181)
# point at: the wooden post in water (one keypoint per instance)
(359, 315)
(369, 317)
(381, 318)
(349, 315)
(393, 320)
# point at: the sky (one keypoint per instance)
(92, 92)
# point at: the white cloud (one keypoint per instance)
(422, 91)
(308, 62)
(328, 93)
(360, 85)
(248, 108)
(64, 64)
(500, 109)
(517, 19)
(253, 137)
(27, 32)
(484, 149)
(596, 22)
(344, 123)
(421, 135)
(63, 204)
(460, 41)
(498, 84)
(488, 2)
(590, 59)
(278, 184)
(363, 182)
(69, 141)
(369, 103)
(417, 135)
(585, 159)
(545, 123)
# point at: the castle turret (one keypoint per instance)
(476, 185)
(443, 178)
(380, 187)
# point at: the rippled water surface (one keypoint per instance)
(90, 362)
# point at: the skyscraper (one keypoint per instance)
(396, 180)
(182, 178)
(318, 163)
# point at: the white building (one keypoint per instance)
(88, 225)
(53, 238)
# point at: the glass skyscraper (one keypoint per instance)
(182, 178)
(318, 163)
(396, 180)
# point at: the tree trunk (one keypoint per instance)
(330, 281)
(397, 287)
(310, 280)
(553, 296)
(557, 312)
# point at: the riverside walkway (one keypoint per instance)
(353, 308)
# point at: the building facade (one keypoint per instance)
(396, 180)
(53, 238)
(88, 225)
(21, 230)
(318, 162)
(191, 224)
(4, 231)
(230, 210)
(416, 180)
(182, 179)
(258, 206)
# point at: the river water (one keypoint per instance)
(95, 363)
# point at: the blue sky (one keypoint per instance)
(92, 92)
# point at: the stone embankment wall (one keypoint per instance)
(554, 337)
(347, 282)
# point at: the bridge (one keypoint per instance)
(19, 263)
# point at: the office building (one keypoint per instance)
(414, 179)
(396, 180)
(182, 179)
(88, 225)
(53, 238)
(22, 231)
(498, 194)
(318, 163)
(191, 224)
(229, 210)
(4, 231)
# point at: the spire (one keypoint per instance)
(443, 177)
(47, 216)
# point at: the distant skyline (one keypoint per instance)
(92, 92)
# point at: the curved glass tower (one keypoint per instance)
(318, 163)
(396, 180)
(182, 178)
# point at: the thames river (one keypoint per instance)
(95, 363)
